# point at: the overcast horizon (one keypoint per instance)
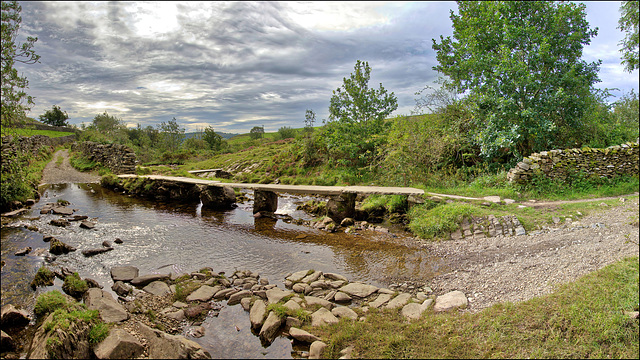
(237, 65)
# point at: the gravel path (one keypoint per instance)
(517, 268)
(65, 173)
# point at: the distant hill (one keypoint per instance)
(223, 134)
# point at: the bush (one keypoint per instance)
(286, 132)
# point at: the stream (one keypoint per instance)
(168, 237)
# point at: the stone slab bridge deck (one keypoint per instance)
(341, 198)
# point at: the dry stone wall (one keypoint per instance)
(609, 162)
(118, 158)
(32, 144)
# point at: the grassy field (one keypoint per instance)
(583, 319)
(31, 132)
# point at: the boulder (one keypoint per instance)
(341, 297)
(235, 298)
(341, 206)
(398, 301)
(157, 288)
(165, 346)
(62, 210)
(119, 345)
(302, 335)
(12, 317)
(274, 295)
(147, 279)
(69, 343)
(23, 252)
(216, 197)
(57, 247)
(358, 290)
(316, 349)
(265, 201)
(323, 316)
(60, 222)
(204, 293)
(413, 311)
(121, 288)
(124, 273)
(92, 252)
(270, 328)
(312, 300)
(450, 300)
(297, 276)
(343, 311)
(86, 224)
(110, 310)
(257, 313)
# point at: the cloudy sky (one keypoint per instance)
(236, 65)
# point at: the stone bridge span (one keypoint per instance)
(341, 198)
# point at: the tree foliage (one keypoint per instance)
(55, 117)
(171, 135)
(357, 116)
(628, 23)
(213, 139)
(15, 100)
(520, 63)
(257, 132)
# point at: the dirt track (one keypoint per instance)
(65, 173)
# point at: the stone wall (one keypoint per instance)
(609, 162)
(38, 126)
(118, 158)
(31, 144)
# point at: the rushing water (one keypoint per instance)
(164, 238)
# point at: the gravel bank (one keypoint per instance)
(517, 268)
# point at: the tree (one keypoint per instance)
(55, 117)
(628, 23)
(213, 139)
(309, 120)
(171, 134)
(14, 100)
(257, 132)
(520, 63)
(357, 116)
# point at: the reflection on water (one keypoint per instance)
(163, 238)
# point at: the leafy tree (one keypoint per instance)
(628, 23)
(55, 117)
(171, 134)
(309, 120)
(286, 132)
(257, 132)
(357, 116)
(213, 139)
(520, 63)
(14, 100)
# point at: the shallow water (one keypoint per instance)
(178, 238)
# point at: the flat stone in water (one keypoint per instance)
(124, 273)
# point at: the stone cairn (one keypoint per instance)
(118, 158)
(612, 161)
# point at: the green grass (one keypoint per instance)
(32, 132)
(583, 319)
(49, 302)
